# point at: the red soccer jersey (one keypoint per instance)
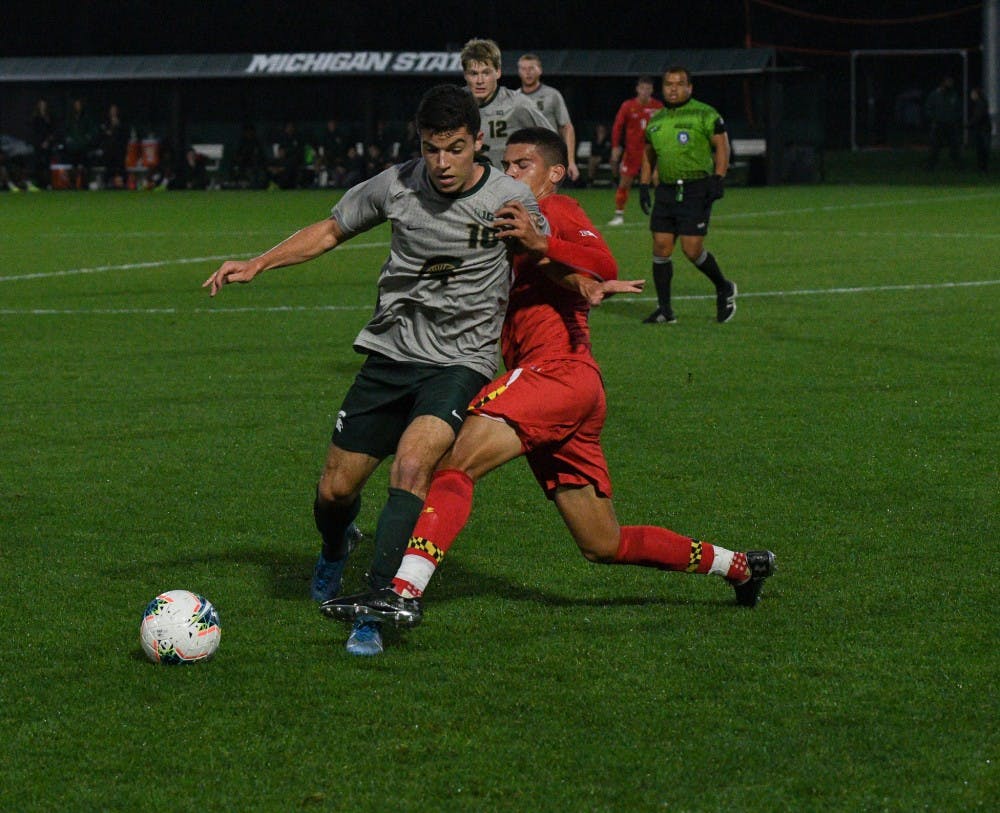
(545, 320)
(632, 118)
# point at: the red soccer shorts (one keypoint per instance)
(631, 162)
(557, 409)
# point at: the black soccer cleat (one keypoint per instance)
(761, 565)
(384, 605)
(660, 317)
(725, 303)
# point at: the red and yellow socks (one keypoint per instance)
(445, 512)
(650, 546)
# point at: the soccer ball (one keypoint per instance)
(180, 627)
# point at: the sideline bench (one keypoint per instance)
(748, 159)
(213, 161)
(604, 177)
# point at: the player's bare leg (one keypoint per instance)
(591, 519)
(621, 198)
(337, 504)
(483, 445)
(419, 449)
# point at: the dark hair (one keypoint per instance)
(646, 80)
(445, 108)
(678, 69)
(550, 145)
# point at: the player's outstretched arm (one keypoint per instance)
(304, 245)
(593, 290)
(611, 287)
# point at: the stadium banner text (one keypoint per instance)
(719, 62)
(356, 62)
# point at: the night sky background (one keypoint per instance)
(803, 29)
(815, 34)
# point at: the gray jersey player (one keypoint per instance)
(431, 343)
(552, 105)
(444, 259)
(501, 109)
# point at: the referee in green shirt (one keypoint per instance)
(686, 141)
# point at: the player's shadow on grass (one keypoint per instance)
(287, 574)
(461, 581)
(458, 580)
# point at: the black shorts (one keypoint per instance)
(387, 395)
(689, 215)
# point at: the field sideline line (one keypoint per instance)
(361, 246)
(882, 235)
(324, 308)
(97, 269)
(870, 204)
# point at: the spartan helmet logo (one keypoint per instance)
(440, 267)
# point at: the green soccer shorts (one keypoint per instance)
(387, 395)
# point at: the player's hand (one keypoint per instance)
(597, 294)
(573, 171)
(516, 226)
(716, 187)
(645, 203)
(230, 271)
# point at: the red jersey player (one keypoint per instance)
(630, 128)
(548, 406)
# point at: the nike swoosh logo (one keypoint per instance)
(455, 413)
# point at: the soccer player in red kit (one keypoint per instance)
(548, 406)
(629, 129)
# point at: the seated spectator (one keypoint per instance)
(249, 160)
(282, 171)
(332, 154)
(159, 177)
(375, 160)
(43, 140)
(79, 143)
(113, 144)
(191, 172)
(311, 165)
(292, 147)
(354, 165)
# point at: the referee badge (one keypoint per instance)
(683, 137)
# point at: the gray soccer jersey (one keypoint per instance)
(506, 112)
(442, 292)
(551, 104)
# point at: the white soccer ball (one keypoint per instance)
(180, 627)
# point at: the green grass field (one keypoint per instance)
(847, 418)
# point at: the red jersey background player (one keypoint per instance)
(548, 406)
(629, 130)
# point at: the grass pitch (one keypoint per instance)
(846, 418)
